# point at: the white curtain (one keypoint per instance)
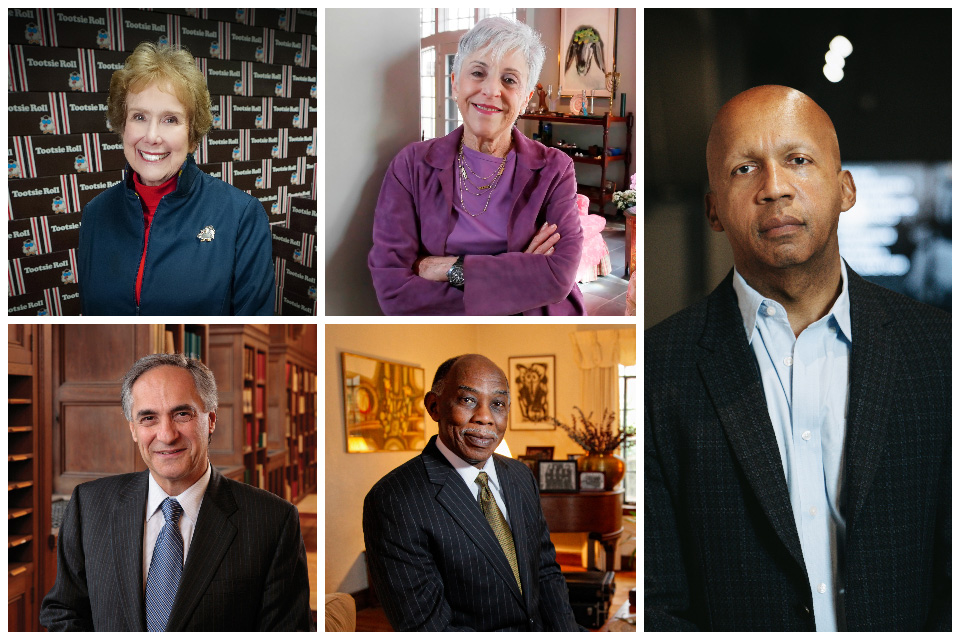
(597, 353)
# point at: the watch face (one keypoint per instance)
(455, 275)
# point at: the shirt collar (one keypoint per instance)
(467, 471)
(750, 302)
(190, 499)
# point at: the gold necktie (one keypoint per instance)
(499, 525)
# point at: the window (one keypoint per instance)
(452, 117)
(428, 22)
(628, 420)
(428, 93)
(456, 19)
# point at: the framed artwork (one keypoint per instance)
(533, 402)
(557, 476)
(540, 453)
(588, 45)
(531, 462)
(383, 405)
(592, 481)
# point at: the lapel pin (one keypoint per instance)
(206, 234)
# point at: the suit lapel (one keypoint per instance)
(212, 538)
(126, 523)
(518, 526)
(458, 502)
(873, 364)
(729, 372)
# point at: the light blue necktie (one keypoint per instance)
(165, 567)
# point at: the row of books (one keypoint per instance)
(254, 364)
(253, 402)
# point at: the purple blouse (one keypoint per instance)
(476, 230)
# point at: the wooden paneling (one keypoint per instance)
(96, 440)
(226, 438)
(227, 443)
(91, 438)
(97, 353)
(19, 344)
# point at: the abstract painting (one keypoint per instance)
(383, 405)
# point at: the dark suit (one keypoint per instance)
(436, 564)
(246, 569)
(722, 550)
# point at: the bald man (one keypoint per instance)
(456, 538)
(797, 420)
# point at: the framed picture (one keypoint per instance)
(557, 476)
(383, 405)
(591, 481)
(588, 45)
(532, 393)
(531, 462)
(540, 453)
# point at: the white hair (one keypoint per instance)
(501, 36)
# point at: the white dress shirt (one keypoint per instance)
(469, 474)
(190, 500)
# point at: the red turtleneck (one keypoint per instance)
(149, 198)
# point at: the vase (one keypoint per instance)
(611, 466)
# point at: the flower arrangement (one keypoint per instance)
(626, 199)
(594, 437)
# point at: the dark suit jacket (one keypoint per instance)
(246, 569)
(721, 548)
(436, 564)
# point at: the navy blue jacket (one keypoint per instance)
(230, 275)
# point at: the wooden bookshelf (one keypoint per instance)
(23, 468)
(192, 340)
(238, 357)
(294, 407)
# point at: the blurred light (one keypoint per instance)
(834, 59)
(833, 74)
(503, 449)
(842, 46)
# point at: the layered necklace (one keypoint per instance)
(487, 184)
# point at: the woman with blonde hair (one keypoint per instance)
(169, 239)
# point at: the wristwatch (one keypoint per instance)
(455, 274)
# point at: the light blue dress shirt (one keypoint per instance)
(805, 381)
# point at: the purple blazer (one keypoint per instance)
(415, 215)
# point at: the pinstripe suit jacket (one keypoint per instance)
(246, 569)
(436, 564)
(722, 550)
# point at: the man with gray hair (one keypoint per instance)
(177, 547)
(456, 538)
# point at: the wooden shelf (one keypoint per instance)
(24, 476)
(17, 539)
(596, 193)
